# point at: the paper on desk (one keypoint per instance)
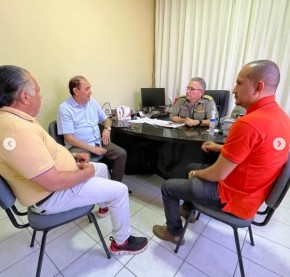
(156, 122)
(215, 130)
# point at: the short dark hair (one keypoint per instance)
(75, 82)
(266, 71)
(13, 80)
(200, 81)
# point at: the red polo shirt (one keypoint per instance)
(259, 143)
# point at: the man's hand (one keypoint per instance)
(87, 166)
(106, 136)
(191, 174)
(81, 157)
(100, 151)
(191, 122)
(209, 146)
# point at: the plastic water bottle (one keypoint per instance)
(212, 123)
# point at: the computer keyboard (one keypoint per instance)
(159, 115)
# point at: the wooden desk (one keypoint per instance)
(163, 151)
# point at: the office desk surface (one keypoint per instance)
(180, 134)
(160, 150)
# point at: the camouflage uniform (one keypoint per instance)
(200, 110)
(237, 111)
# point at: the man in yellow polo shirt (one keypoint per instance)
(43, 174)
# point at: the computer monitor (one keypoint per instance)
(153, 97)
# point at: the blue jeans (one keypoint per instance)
(194, 190)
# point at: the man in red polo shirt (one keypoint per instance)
(251, 159)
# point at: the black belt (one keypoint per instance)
(43, 200)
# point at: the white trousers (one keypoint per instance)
(99, 189)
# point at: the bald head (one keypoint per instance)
(265, 71)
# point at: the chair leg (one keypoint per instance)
(93, 219)
(198, 215)
(183, 231)
(33, 238)
(251, 235)
(89, 219)
(41, 253)
(240, 259)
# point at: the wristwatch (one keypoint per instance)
(200, 122)
(108, 128)
(191, 174)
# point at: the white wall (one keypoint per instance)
(110, 42)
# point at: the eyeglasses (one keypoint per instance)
(192, 89)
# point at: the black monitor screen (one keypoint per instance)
(153, 97)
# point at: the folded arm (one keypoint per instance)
(53, 179)
(189, 121)
(177, 119)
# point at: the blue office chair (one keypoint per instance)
(45, 223)
(275, 197)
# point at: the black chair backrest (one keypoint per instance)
(280, 186)
(221, 98)
(7, 198)
(7, 201)
(52, 130)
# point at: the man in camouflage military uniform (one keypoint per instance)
(195, 108)
(238, 111)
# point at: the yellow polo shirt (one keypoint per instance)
(27, 151)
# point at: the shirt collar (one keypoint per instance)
(17, 112)
(195, 103)
(74, 103)
(262, 102)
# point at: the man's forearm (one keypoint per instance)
(208, 174)
(177, 119)
(53, 179)
(70, 139)
(218, 171)
(107, 123)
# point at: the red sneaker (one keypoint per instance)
(103, 212)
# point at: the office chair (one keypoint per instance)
(7, 203)
(52, 130)
(273, 200)
(221, 98)
(45, 223)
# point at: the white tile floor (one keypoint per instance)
(75, 249)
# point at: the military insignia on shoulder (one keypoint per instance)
(208, 97)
